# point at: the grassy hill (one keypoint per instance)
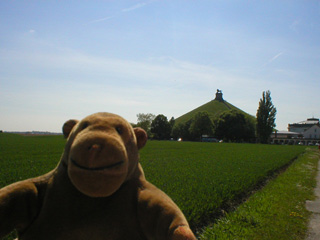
(214, 108)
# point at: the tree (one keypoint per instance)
(233, 126)
(160, 127)
(172, 122)
(144, 121)
(201, 125)
(181, 130)
(266, 116)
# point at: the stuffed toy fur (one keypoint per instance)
(97, 191)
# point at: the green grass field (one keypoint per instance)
(202, 178)
(277, 211)
(206, 178)
(24, 157)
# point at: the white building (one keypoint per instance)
(309, 129)
(312, 133)
(304, 132)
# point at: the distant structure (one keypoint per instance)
(304, 133)
(219, 95)
(310, 129)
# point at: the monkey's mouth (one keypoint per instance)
(97, 168)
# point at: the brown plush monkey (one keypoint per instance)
(97, 191)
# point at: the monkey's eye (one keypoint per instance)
(84, 125)
(119, 130)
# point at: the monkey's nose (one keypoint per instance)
(94, 147)
(94, 150)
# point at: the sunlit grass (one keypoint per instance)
(276, 211)
(204, 179)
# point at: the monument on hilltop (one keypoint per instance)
(219, 95)
(215, 107)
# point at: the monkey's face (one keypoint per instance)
(102, 153)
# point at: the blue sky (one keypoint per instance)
(68, 59)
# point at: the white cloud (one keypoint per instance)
(102, 19)
(275, 57)
(137, 6)
(76, 84)
(73, 84)
(125, 10)
(294, 25)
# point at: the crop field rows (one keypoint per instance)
(202, 178)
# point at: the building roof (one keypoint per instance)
(309, 121)
(284, 134)
(287, 133)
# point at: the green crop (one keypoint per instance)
(202, 178)
(23, 157)
(205, 178)
(277, 211)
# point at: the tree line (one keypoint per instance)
(230, 126)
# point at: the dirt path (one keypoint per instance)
(314, 207)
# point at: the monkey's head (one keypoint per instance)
(101, 153)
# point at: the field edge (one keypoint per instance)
(272, 212)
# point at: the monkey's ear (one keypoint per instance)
(68, 126)
(141, 136)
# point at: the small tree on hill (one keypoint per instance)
(160, 127)
(266, 116)
(201, 125)
(233, 126)
(181, 130)
(172, 122)
(144, 121)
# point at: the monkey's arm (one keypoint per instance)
(18, 206)
(160, 217)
